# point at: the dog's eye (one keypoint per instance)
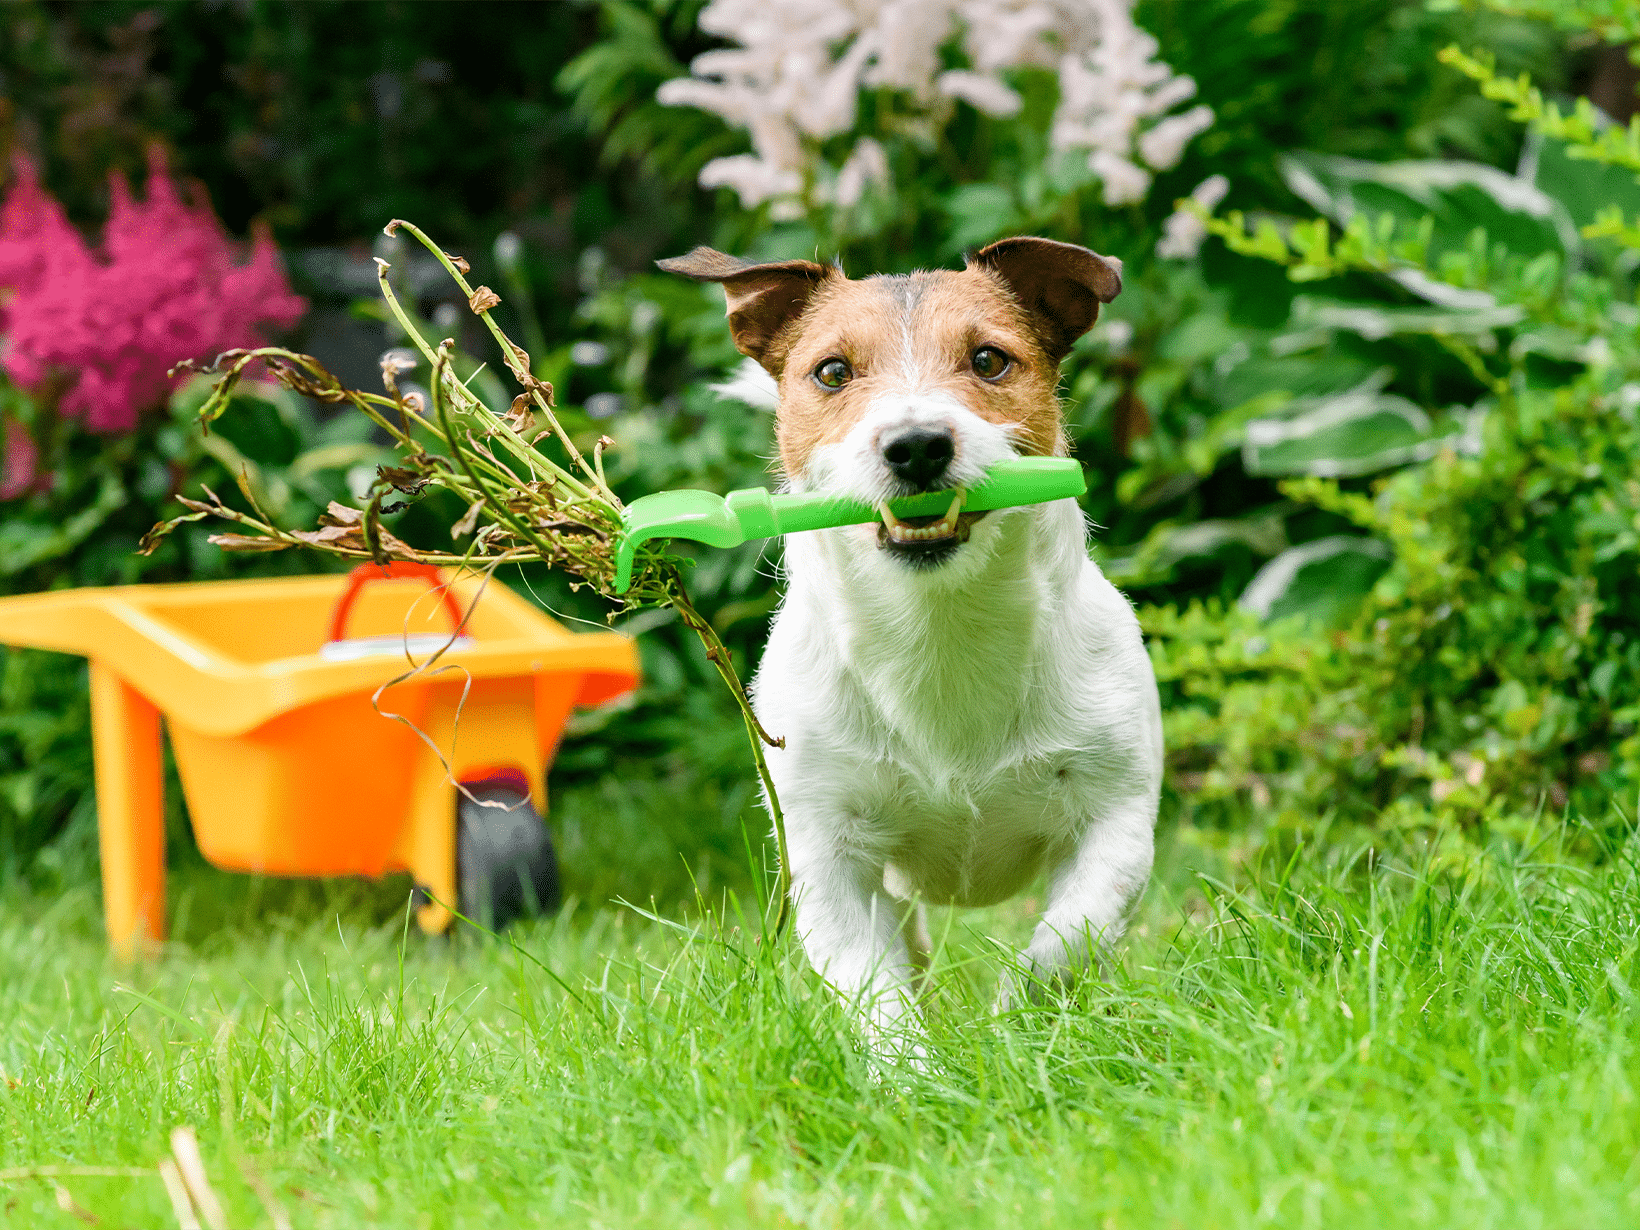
(989, 362)
(834, 373)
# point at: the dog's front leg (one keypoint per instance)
(1088, 898)
(851, 932)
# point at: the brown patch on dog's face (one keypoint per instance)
(916, 334)
(989, 339)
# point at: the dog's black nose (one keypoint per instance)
(921, 455)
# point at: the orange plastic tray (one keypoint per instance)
(286, 764)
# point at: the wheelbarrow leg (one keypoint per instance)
(125, 739)
(496, 728)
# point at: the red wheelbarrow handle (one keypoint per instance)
(397, 570)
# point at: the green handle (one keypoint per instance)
(743, 516)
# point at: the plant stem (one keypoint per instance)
(510, 354)
(718, 654)
(496, 504)
(529, 456)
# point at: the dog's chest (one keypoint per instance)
(972, 841)
(964, 736)
(976, 759)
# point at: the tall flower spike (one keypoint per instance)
(166, 286)
(790, 91)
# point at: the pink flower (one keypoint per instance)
(36, 242)
(165, 287)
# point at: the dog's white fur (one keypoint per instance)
(954, 731)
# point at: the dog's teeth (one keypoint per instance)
(946, 527)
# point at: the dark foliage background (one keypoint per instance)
(538, 121)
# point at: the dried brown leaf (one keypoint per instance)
(493, 535)
(468, 522)
(520, 417)
(247, 542)
(396, 547)
(352, 538)
(458, 262)
(404, 479)
(340, 514)
(151, 540)
(344, 535)
(483, 300)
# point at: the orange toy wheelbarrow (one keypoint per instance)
(273, 694)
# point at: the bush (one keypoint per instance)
(1492, 666)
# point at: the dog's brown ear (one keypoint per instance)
(1059, 285)
(764, 300)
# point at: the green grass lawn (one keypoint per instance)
(1340, 1041)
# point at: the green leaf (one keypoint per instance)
(979, 213)
(1359, 432)
(1457, 197)
(1323, 580)
(24, 542)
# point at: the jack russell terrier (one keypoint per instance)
(966, 700)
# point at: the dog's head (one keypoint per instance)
(897, 384)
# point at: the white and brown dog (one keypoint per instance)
(966, 701)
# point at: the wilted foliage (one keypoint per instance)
(523, 505)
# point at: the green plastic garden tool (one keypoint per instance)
(741, 516)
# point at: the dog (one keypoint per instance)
(966, 701)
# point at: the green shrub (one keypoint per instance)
(1493, 665)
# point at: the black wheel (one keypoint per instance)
(506, 867)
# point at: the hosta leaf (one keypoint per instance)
(1359, 432)
(1323, 580)
(1168, 545)
(1457, 196)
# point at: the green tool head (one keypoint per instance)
(741, 516)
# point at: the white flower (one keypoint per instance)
(980, 91)
(795, 78)
(1183, 231)
(1125, 183)
(755, 180)
(1115, 335)
(1163, 145)
(868, 164)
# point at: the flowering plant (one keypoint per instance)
(91, 335)
(794, 83)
